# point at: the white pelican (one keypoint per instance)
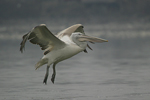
(64, 45)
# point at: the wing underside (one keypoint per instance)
(41, 36)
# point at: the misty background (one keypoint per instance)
(83, 10)
(113, 18)
(116, 70)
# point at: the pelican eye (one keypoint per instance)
(79, 34)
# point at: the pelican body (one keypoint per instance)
(64, 45)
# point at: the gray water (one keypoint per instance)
(117, 70)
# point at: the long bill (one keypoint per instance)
(91, 39)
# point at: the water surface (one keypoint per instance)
(117, 70)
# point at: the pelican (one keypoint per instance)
(64, 45)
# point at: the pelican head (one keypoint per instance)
(75, 38)
(82, 40)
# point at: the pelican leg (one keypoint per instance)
(54, 73)
(46, 75)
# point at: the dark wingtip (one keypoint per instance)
(46, 52)
(22, 44)
(89, 47)
(85, 51)
(21, 47)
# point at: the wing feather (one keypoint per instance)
(68, 31)
(41, 36)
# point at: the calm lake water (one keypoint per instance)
(117, 70)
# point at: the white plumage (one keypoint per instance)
(64, 45)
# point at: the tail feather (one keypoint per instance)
(41, 63)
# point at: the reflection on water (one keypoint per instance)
(117, 70)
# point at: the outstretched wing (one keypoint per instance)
(41, 36)
(74, 28)
(68, 31)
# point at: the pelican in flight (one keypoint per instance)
(64, 45)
